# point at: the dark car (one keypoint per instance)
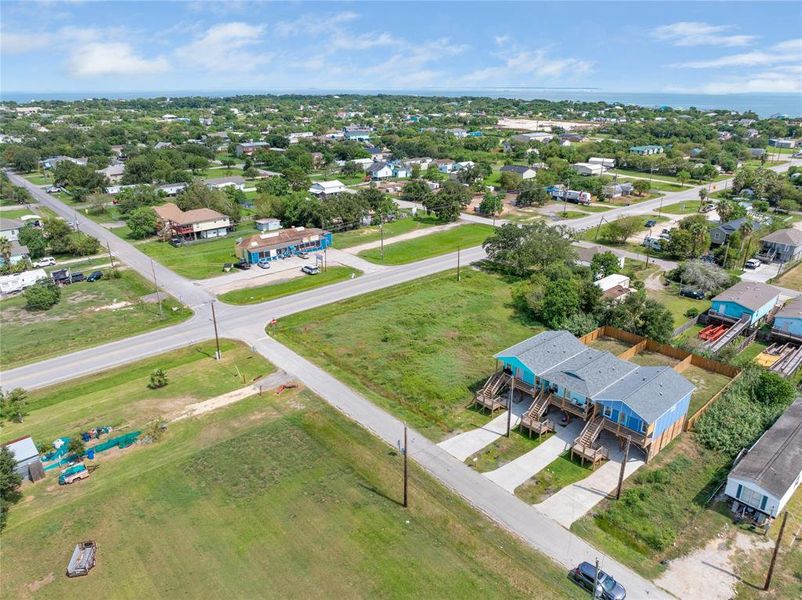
(242, 265)
(76, 277)
(176, 242)
(61, 276)
(606, 587)
(651, 223)
(691, 293)
(95, 275)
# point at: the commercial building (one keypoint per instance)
(283, 243)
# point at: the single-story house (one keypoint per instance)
(616, 190)
(720, 234)
(114, 171)
(614, 287)
(162, 145)
(764, 479)
(49, 163)
(607, 163)
(249, 148)
(269, 224)
(784, 245)
(788, 320)
(756, 300)
(196, 224)
(444, 165)
(380, 170)
(17, 253)
(757, 152)
(10, 228)
(283, 243)
(783, 142)
(523, 171)
(646, 150)
(587, 168)
(457, 132)
(26, 458)
(218, 183)
(585, 254)
(401, 171)
(323, 189)
(356, 134)
(171, 189)
(537, 136)
(648, 405)
(299, 135)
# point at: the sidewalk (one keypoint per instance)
(465, 444)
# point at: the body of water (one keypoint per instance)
(764, 105)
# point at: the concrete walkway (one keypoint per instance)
(465, 444)
(400, 238)
(523, 468)
(350, 260)
(574, 501)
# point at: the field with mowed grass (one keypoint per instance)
(88, 314)
(420, 349)
(399, 253)
(291, 286)
(274, 496)
(791, 279)
(197, 260)
(364, 235)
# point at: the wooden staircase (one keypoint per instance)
(583, 444)
(489, 396)
(532, 420)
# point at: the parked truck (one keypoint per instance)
(559, 192)
(73, 474)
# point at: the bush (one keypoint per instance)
(158, 379)
(692, 313)
(76, 445)
(42, 295)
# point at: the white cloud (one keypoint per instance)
(225, 47)
(788, 51)
(341, 40)
(787, 80)
(695, 33)
(313, 24)
(97, 59)
(521, 66)
(20, 43)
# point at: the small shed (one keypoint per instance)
(745, 298)
(26, 456)
(268, 224)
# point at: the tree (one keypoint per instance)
(372, 197)
(680, 243)
(448, 203)
(641, 315)
(518, 250)
(10, 482)
(14, 405)
(641, 187)
(772, 389)
(620, 230)
(275, 186)
(141, 223)
(492, 204)
(34, 239)
(57, 233)
(416, 191)
(560, 301)
(469, 175)
(198, 195)
(729, 210)
(42, 295)
(532, 194)
(22, 158)
(158, 379)
(5, 250)
(351, 169)
(82, 244)
(297, 179)
(510, 180)
(604, 264)
(228, 162)
(76, 445)
(683, 176)
(702, 198)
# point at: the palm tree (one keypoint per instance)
(699, 235)
(703, 197)
(5, 250)
(746, 230)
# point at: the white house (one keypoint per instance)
(588, 168)
(458, 132)
(607, 163)
(380, 170)
(10, 228)
(324, 189)
(783, 142)
(763, 481)
(523, 171)
(615, 286)
(218, 183)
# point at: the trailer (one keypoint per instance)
(82, 560)
(559, 192)
(73, 474)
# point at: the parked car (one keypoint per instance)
(264, 264)
(691, 293)
(708, 208)
(76, 277)
(53, 189)
(94, 276)
(45, 261)
(303, 255)
(708, 258)
(61, 276)
(310, 270)
(227, 267)
(652, 243)
(606, 587)
(242, 265)
(176, 242)
(752, 263)
(651, 223)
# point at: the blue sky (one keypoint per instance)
(698, 47)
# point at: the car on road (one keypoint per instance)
(585, 574)
(94, 276)
(692, 293)
(45, 261)
(310, 270)
(76, 277)
(651, 223)
(752, 263)
(263, 264)
(303, 255)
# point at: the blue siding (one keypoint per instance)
(667, 420)
(255, 256)
(735, 310)
(518, 368)
(789, 325)
(619, 412)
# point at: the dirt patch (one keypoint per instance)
(37, 585)
(113, 306)
(654, 282)
(23, 316)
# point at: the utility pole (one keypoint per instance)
(218, 355)
(381, 229)
(593, 593)
(111, 257)
(509, 404)
(623, 466)
(325, 258)
(156, 288)
(776, 552)
(406, 469)
(459, 275)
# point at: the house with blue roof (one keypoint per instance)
(645, 405)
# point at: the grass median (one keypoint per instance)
(263, 293)
(436, 244)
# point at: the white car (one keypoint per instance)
(752, 263)
(46, 261)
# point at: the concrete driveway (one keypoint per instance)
(762, 274)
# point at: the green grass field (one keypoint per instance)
(273, 496)
(561, 472)
(291, 286)
(400, 253)
(38, 178)
(687, 207)
(197, 260)
(83, 318)
(503, 450)
(678, 305)
(363, 235)
(420, 349)
(217, 172)
(17, 213)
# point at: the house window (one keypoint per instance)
(751, 497)
(608, 412)
(643, 427)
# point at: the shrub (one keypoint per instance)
(692, 313)
(158, 379)
(42, 295)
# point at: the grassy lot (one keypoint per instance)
(678, 305)
(791, 279)
(612, 345)
(214, 173)
(287, 287)
(596, 208)
(400, 253)
(363, 235)
(597, 235)
(647, 358)
(571, 214)
(662, 513)
(748, 354)
(561, 472)
(16, 214)
(686, 207)
(121, 397)
(278, 493)
(503, 450)
(707, 383)
(197, 260)
(38, 178)
(638, 269)
(81, 319)
(420, 349)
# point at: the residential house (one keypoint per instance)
(324, 189)
(751, 134)
(745, 299)
(49, 163)
(646, 150)
(585, 254)
(757, 152)
(422, 162)
(295, 137)
(114, 172)
(457, 132)
(719, 235)
(171, 189)
(219, 183)
(401, 170)
(783, 245)
(574, 138)
(696, 152)
(356, 134)
(190, 225)
(537, 136)
(587, 169)
(788, 320)
(524, 171)
(646, 405)
(764, 479)
(724, 136)
(162, 145)
(269, 224)
(616, 190)
(376, 153)
(614, 287)
(475, 134)
(249, 148)
(10, 228)
(27, 463)
(379, 171)
(444, 165)
(284, 243)
(607, 163)
(16, 254)
(783, 142)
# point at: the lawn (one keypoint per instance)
(749, 354)
(16, 214)
(791, 279)
(83, 318)
(707, 383)
(419, 349)
(274, 496)
(561, 472)
(38, 178)
(197, 260)
(363, 235)
(571, 214)
(678, 305)
(663, 510)
(612, 345)
(596, 208)
(503, 450)
(216, 173)
(686, 207)
(399, 253)
(287, 287)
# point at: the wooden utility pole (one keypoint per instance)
(218, 354)
(111, 256)
(381, 230)
(406, 469)
(156, 287)
(623, 466)
(459, 276)
(593, 592)
(776, 552)
(509, 404)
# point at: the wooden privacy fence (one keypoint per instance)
(698, 414)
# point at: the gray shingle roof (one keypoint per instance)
(650, 391)
(788, 237)
(545, 350)
(775, 461)
(749, 294)
(589, 372)
(792, 309)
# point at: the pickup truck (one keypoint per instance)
(73, 474)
